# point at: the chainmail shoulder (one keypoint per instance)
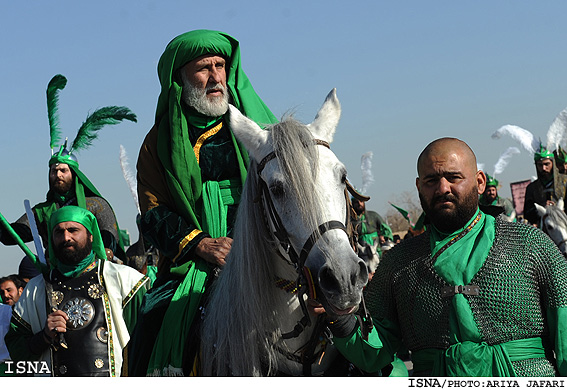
(523, 275)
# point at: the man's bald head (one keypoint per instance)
(449, 183)
(445, 146)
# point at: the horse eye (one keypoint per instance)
(277, 189)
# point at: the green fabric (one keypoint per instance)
(472, 358)
(556, 318)
(459, 257)
(167, 356)
(491, 181)
(543, 153)
(175, 151)
(74, 270)
(44, 210)
(79, 215)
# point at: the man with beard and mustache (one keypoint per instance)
(472, 296)
(549, 187)
(69, 186)
(370, 225)
(78, 317)
(191, 171)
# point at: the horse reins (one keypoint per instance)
(277, 229)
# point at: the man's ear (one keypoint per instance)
(417, 183)
(481, 181)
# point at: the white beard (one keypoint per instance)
(207, 105)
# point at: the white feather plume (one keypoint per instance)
(504, 159)
(557, 131)
(129, 176)
(480, 167)
(366, 168)
(523, 136)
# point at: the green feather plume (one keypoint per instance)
(110, 115)
(56, 84)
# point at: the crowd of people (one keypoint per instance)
(474, 294)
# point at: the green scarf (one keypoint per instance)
(88, 220)
(458, 257)
(183, 175)
(200, 203)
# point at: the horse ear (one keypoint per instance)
(560, 203)
(327, 119)
(248, 132)
(540, 209)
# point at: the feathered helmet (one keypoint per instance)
(560, 155)
(88, 131)
(367, 176)
(499, 166)
(555, 135)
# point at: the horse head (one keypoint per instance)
(369, 253)
(554, 223)
(305, 202)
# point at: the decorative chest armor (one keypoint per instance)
(87, 335)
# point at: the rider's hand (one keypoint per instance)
(214, 250)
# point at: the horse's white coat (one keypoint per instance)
(247, 313)
(554, 223)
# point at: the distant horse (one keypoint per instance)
(554, 223)
(369, 253)
(291, 247)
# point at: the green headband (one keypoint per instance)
(79, 215)
(491, 181)
(542, 154)
(560, 155)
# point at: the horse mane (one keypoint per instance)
(240, 325)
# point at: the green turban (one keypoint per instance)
(543, 153)
(491, 181)
(560, 155)
(175, 151)
(79, 215)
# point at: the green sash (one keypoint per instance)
(167, 355)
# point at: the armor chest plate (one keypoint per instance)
(87, 336)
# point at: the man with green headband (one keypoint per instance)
(191, 171)
(370, 226)
(472, 296)
(549, 187)
(78, 318)
(491, 203)
(69, 186)
(560, 158)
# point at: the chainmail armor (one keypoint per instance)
(523, 275)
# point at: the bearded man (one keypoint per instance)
(370, 226)
(191, 172)
(79, 316)
(68, 185)
(491, 203)
(549, 187)
(472, 296)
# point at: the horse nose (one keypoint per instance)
(346, 282)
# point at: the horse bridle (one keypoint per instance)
(277, 229)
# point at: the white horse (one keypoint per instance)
(290, 235)
(554, 223)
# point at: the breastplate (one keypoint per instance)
(87, 352)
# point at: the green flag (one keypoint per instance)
(404, 213)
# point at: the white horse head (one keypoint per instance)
(290, 226)
(554, 223)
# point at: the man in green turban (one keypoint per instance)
(549, 187)
(473, 295)
(77, 318)
(492, 203)
(370, 226)
(191, 171)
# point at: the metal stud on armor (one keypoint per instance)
(82, 298)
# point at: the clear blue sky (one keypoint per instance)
(406, 72)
